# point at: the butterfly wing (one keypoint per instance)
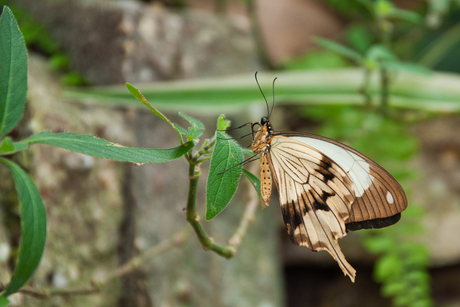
(326, 186)
(380, 199)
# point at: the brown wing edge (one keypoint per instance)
(373, 224)
(376, 223)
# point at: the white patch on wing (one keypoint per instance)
(355, 166)
(390, 197)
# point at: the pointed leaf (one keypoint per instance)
(192, 121)
(222, 181)
(13, 72)
(180, 129)
(222, 122)
(93, 146)
(8, 147)
(3, 301)
(340, 49)
(136, 93)
(255, 183)
(33, 228)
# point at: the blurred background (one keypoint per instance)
(380, 76)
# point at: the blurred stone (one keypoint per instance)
(438, 192)
(288, 26)
(127, 41)
(82, 210)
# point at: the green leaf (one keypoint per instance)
(393, 288)
(247, 151)
(181, 130)
(192, 121)
(340, 49)
(8, 147)
(224, 174)
(379, 53)
(3, 301)
(383, 8)
(93, 146)
(378, 244)
(222, 122)
(406, 15)
(33, 228)
(255, 183)
(387, 266)
(13, 72)
(321, 59)
(138, 95)
(195, 131)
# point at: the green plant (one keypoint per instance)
(402, 266)
(38, 38)
(13, 90)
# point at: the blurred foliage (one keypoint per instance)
(317, 60)
(402, 266)
(38, 38)
(377, 39)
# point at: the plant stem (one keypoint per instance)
(246, 220)
(384, 90)
(193, 218)
(366, 87)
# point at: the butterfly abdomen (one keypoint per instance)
(265, 180)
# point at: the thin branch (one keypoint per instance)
(385, 90)
(133, 264)
(193, 218)
(137, 261)
(248, 217)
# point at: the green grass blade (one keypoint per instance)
(13, 72)
(437, 91)
(340, 49)
(220, 187)
(33, 228)
(93, 146)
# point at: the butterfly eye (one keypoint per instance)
(263, 121)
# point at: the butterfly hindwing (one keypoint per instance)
(315, 197)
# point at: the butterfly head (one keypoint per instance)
(265, 124)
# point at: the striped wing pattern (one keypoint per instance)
(316, 195)
(326, 188)
(379, 198)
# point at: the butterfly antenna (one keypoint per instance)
(273, 94)
(257, 81)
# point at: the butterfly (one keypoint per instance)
(325, 188)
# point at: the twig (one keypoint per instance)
(193, 218)
(385, 90)
(133, 264)
(248, 217)
(137, 261)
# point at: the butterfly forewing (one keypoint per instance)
(379, 197)
(326, 188)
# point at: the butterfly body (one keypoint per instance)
(326, 188)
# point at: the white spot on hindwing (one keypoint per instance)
(355, 166)
(390, 197)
